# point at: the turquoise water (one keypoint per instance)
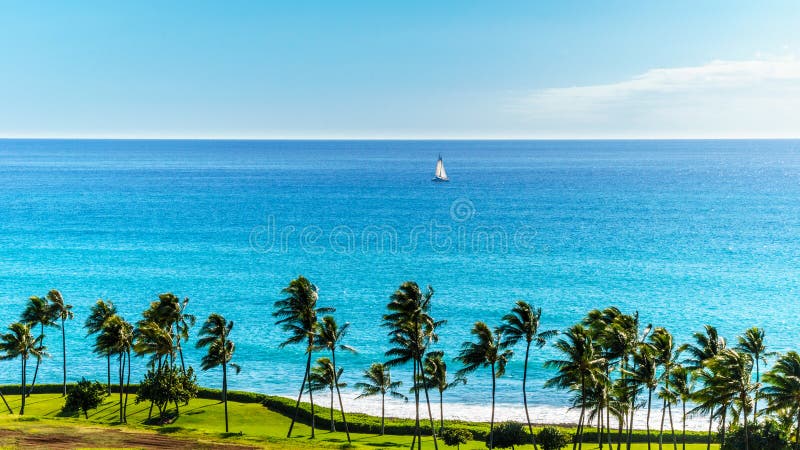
(686, 232)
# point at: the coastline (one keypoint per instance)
(541, 415)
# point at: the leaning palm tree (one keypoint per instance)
(330, 338)
(169, 311)
(379, 381)
(116, 338)
(488, 350)
(783, 388)
(580, 366)
(523, 323)
(63, 311)
(752, 342)
(38, 312)
(411, 331)
(324, 376)
(297, 314)
(20, 343)
(215, 335)
(100, 312)
(434, 375)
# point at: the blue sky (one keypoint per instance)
(339, 69)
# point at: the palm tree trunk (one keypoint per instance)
(724, 420)
(339, 394)
(299, 396)
(491, 422)
(10, 411)
(525, 394)
(108, 361)
(577, 438)
(600, 427)
(121, 381)
(661, 429)
(417, 433)
(649, 405)
(38, 361)
(383, 413)
(333, 424)
(64, 354)
(428, 401)
(744, 414)
(710, 423)
(619, 432)
(684, 425)
(755, 395)
(225, 389)
(441, 411)
(672, 428)
(22, 408)
(127, 388)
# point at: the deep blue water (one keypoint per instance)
(686, 232)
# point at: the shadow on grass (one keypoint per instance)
(169, 430)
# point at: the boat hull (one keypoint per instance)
(440, 180)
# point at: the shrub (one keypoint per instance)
(167, 386)
(454, 437)
(509, 434)
(551, 438)
(763, 436)
(84, 396)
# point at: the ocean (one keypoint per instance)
(685, 232)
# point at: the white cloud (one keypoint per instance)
(754, 98)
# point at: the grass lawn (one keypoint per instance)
(200, 425)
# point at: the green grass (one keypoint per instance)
(200, 424)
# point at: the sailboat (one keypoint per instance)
(440, 175)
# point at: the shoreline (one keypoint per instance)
(541, 415)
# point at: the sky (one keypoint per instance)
(407, 69)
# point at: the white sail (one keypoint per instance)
(441, 174)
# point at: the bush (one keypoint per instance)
(84, 396)
(167, 386)
(551, 438)
(763, 436)
(454, 437)
(509, 434)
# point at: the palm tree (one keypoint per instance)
(61, 310)
(783, 390)
(215, 335)
(154, 340)
(100, 312)
(38, 312)
(379, 381)
(20, 343)
(329, 338)
(752, 342)
(733, 372)
(523, 323)
(297, 314)
(489, 350)
(411, 330)
(646, 374)
(116, 338)
(663, 345)
(580, 367)
(682, 385)
(324, 376)
(434, 374)
(169, 312)
(706, 346)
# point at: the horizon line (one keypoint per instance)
(397, 138)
